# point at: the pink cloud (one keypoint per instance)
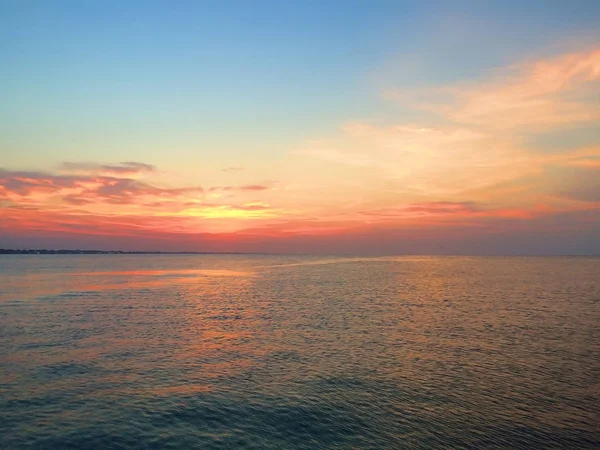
(26, 182)
(85, 188)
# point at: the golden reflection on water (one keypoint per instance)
(164, 272)
(40, 285)
(204, 328)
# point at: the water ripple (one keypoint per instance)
(208, 352)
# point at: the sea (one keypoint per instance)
(299, 352)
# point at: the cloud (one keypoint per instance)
(432, 160)
(443, 207)
(128, 191)
(253, 187)
(424, 209)
(467, 213)
(580, 183)
(249, 187)
(588, 163)
(122, 169)
(77, 200)
(84, 188)
(78, 196)
(27, 182)
(542, 95)
(472, 137)
(233, 169)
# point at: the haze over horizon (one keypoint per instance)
(315, 127)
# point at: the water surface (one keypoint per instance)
(225, 352)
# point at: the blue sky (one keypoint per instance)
(274, 71)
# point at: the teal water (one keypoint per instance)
(227, 352)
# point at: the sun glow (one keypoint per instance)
(247, 211)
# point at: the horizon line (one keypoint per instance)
(10, 251)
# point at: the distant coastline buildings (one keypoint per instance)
(10, 251)
(4, 251)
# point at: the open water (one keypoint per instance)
(270, 352)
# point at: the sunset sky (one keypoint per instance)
(355, 127)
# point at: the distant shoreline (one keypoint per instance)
(4, 251)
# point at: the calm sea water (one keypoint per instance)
(226, 352)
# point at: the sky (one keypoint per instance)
(331, 127)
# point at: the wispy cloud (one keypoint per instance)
(425, 209)
(428, 159)
(474, 136)
(539, 95)
(233, 169)
(247, 187)
(122, 169)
